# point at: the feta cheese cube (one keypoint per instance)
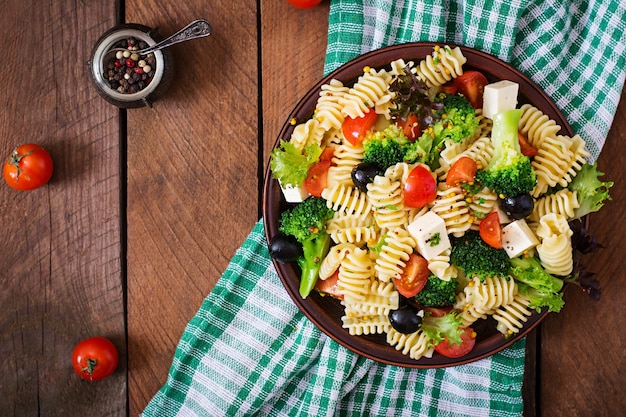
(429, 231)
(294, 194)
(518, 238)
(499, 96)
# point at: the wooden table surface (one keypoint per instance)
(147, 206)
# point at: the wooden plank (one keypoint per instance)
(293, 51)
(583, 353)
(60, 266)
(192, 179)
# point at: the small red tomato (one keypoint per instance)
(468, 340)
(463, 170)
(317, 178)
(414, 276)
(95, 358)
(472, 85)
(449, 88)
(328, 286)
(410, 125)
(420, 187)
(304, 4)
(28, 167)
(490, 230)
(525, 147)
(354, 130)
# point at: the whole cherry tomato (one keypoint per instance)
(420, 187)
(28, 167)
(304, 4)
(95, 358)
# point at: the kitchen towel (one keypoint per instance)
(250, 351)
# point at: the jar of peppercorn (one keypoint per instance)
(125, 78)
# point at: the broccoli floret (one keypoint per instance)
(386, 148)
(290, 166)
(307, 223)
(509, 172)
(438, 328)
(456, 121)
(543, 289)
(590, 191)
(437, 292)
(475, 257)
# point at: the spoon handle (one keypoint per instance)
(196, 29)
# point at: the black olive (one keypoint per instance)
(406, 319)
(285, 248)
(519, 206)
(363, 174)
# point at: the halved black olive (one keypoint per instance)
(285, 248)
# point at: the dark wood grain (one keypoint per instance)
(144, 211)
(192, 179)
(583, 351)
(60, 266)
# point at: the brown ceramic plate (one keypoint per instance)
(326, 312)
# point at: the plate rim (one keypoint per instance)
(369, 346)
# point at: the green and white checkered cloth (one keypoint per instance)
(250, 351)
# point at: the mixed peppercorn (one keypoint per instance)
(128, 72)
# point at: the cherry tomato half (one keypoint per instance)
(328, 286)
(420, 187)
(490, 230)
(304, 4)
(410, 126)
(468, 340)
(94, 358)
(414, 276)
(317, 176)
(472, 85)
(354, 130)
(463, 170)
(525, 147)
(28, 167)
(449, 88)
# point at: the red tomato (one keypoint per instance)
(410, 126)
(472, 85)
(438, 311)
(420, 188)
(329, 286)
(28, 167)
(414, 276)
(525, 146)
(94, 358)
(317, 178)
(327, 154)
(463, 170)
(304, 4)
(468, 340)
(354, 130)
(490, 230)
(449, 88)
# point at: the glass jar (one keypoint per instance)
(149, 85)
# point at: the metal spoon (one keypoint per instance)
(194, 30)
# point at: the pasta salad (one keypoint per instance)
(426, 198)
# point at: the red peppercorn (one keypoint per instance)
(130, 63)
(139, 70)
(118, 64)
